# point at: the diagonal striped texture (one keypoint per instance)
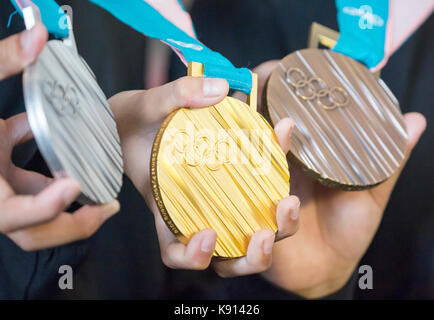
(352, 147)
(73, 124)
(237, 199)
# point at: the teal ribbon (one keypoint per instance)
(362, 27)
(144, 18)
(51, 15)
(141, 16)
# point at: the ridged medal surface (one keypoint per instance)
(349, 131)
(222, 168)
(73, 124)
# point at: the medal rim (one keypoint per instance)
(42, 134)
(35, 111)
(292, 157)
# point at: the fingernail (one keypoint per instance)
(71, 192)
(29, 42)
(110, 209)
(268, 245)
(295, 212)
(214, 87)
(207, 245)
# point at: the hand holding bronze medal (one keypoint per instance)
(349, 131)
(71, 120)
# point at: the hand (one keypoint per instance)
(139, 115)
(34, 218)
(336, 227)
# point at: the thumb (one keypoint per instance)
(18, 51)
(157, 103)
(18, 129)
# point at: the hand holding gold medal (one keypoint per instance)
(218, 168)
(138, 124)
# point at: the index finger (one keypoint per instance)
(18, 51)
(18, 212)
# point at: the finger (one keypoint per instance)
(283, 130)
(18, 51)
(65, 228)
(5, 192)
(196, 255)
(264, 70)
(287, 216)
(258, 258)
(184, 92)
(28, 182)
(416, 125)
(18, 129)
(20, 212)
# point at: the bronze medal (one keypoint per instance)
(349, 131)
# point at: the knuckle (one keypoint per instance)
(5, 227)
(295, 229)
(199, 265)
(221, 273)
(264, 265)
(88, 225)
(260, 265)
(50, 214)
(90, 228)
(144, 100)
(167, 261)
(267, 264)
(185, 89)
(292, 230)
(10, 54)
(26, 244)
(26, 247)
(47, 211)
(287, 232)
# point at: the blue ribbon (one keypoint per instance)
(52, 16)
(144, 18)
(362, 27)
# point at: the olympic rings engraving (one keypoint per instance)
(316, 88)
(64, 99)
(201, 150)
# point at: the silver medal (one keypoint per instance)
(72, 122)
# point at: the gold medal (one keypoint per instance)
(219, 167)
